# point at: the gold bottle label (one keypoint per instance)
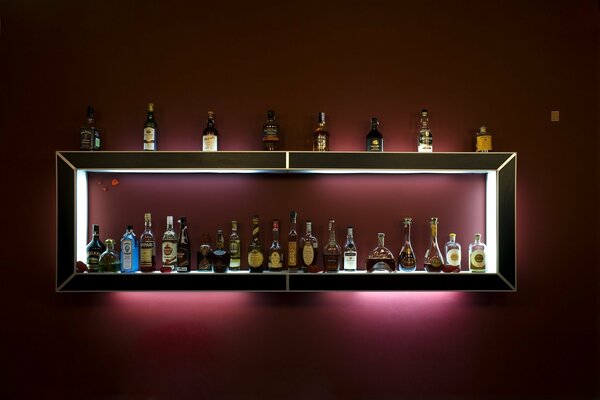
(292, 250)
(255, 258)
(478, 260)
(275, 260)
(484, 143)
(308, 254)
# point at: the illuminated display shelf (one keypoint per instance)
(72, 218)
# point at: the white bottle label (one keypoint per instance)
(169, 253)
(209, 143)
(275, 260)
(453, 257)
(350, 261)
(127, 248)
(149, 136)
(478, 259)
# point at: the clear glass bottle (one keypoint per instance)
(147, 246)
(425, 136)
(407, 262)
(374, 137)
(169, 247)
(292, 254)
(90, 135)
(184, 248)
(477, 255)
(109, 260)
(234, 248)
(381, 259)
(321, 135)
(270, 132)
(210, 134)
(275, 252)
(130, 257)
(452, 250)
(434, 260)
(310, 250)
(332, 253)
(221, 257)
(205, 255)
(150, 129)
(256, 258)
(94, 249)
(350, 253)
(483, 140)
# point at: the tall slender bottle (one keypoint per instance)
(321, 135)
(270, 132)
(310, 250)
(453, 255)
(275, 251)
(234, 248)
(292, 256)
(184, 258)
(332, 251)
(374, 137)
(221, 257)
(94, 249)
(130, 258)
(256, 256)
(425, 136)
(90, 135)
(381, 258)
(169, 247)
(147, 246)
(477, 255)
(350, 253)
(434, 260)
(406, 260)
(210, 134)
(150, 129)
(109, 260)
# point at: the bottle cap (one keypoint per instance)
(321, 116)
(150, 106)
(452, 235)
(483, 129)
(211, 115)
(270, 114)
(434, 220)
(109, 242)
(407, 220)
(424, 111)
(477, 236)
(129, 227)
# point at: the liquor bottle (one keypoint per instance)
(271, 132)
(310, 250)
(381, 259)
(204, 256)
(234, 248)
(90, 135)
(210, 134)
(321, 135)
(130, 258)
(221, 257)
(453, 255)
(109, 260)
(150, 130)
(406, 260)
(255, 249)
(147, 246)
(434, 260)
(483, 139)
(425, 136)
(169, 247)
(275, 251)
(292, 256)
(332, 253)
(350, 253)
(374, 137)
(477, 255)
(184, 258)
(94, 248)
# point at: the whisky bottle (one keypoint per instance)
(381, 259)
(94, 248)
(483, 140)
(434, 260)
(321, 135)
(204, 256)
(147, 246)
(425, 136)
(109, 260)
(292, 256)
(255, 249)
(150, 130)
(90, 135)
(275, 251)
(350, 253)
(210, 134)
(271, 132)
(184, 258)
(169, 247)
(310, 250)
(234, 248)
(406, 260)
(221, 257)
(332, 251)
(477, 255)
(374, 137)
(453, 255)
(130, 258)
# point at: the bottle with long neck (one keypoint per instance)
(130, 259)
(381, 259)
(150, 130)
(255, 249)
(147, 246)
(321, 135)
(169, 247)
(234, 248)
(453, 255)
(221, 257)
(94, 249)
(374, 137)
(310, 250)
(350, 253)
(275, 251)
(270, 132)
(292, 258)
(184, 259)
(210, 134)
(477, 255)
(434, 260)
(425, 136)
(332, 251)
(406, 260)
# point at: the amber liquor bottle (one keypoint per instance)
(452, 250)
(292, 256)
(406, 260)
(90, 135)
(270, 132)
(234, 248)
(169, 247)
(150, 129)
(205, 256)
(184, 259)
(332, 253)
(275, 251)
(210, 134)
(434, 260)
(321, 135)
(309, 246)
(94, 249)
(374, 137)
(255, 249)
(147, 246)
(381, 258)
(221, 257)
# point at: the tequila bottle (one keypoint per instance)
(221, 257)
(210, 134)
(94, 249)
(292, 256)
(130, 258)
(205, 255)
(147, 246)
(483, 140)
(169, 247)
(234, 248)
(310, 249)
(434, 260)
(321, 135)
(150, 129)
(425, 136)
(453, 255)
(407, 261)
(477, 255)
(184, 258)
(332, 251)
(381, 259)
(109, 260)
(350, 253)
(275, 251)
(256, 256)
(374, 137)
(270, 132)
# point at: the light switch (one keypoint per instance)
(555, 116)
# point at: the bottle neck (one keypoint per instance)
(255, 230)
(381, 240)
(434, 233)
(407, 233)
(308, 229)
(220, 241)
(331, 231)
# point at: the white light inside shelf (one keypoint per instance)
(491, 222)
(327, 171)
(81, 214)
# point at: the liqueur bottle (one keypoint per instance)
(292, 256)
(453, 255)
(221, 257)
(205, 256)
(381, 259)
(406, 260)
(210, 134)
(374, 137)
(150, 130)
(275, 251)
(90, 135)
(483, 139)
(184, 258)
(130, 258)
(332, 253)
(350, 252)
(321, 135)
(255, 249)
(94, 248)
(147, 246)
(234, 248)
(271, 132)
(477, 255)
(433, 256)
(425, 136)
(109, 260)
(169, 247)
(310, 249)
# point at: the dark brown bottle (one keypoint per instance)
(204, 256)
(184, 259)
(221, 256)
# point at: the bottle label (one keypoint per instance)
(169, 253)
(453, 257)
(270, 133)
(149, 136)
(484, 143)
(350, 261)
(436, 262)
(86, 139)
(407, 260)
(478, 259)
(209, 143)
(255, 258)
(146, 253)
(331, 262)
(308, 254)
(292, 252)
(320, 143)
(127, 257)
(183, 260)
(275, 260)
(93, 258)
(375, 144)
(234, 263)
(234, 248)
(96, 139)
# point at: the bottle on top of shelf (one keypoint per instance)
(256, 256)
(109, 260)
(332, 252)
(150, 129)
(210, 134)
(184, 257)
(350, 253)
(453, 254)
(205, 255)
(147, 246)
(221, 257)
(434, 260)
(94, 249)
(270, 137)
(275, 251)
(321, 135)
(374, 137)
(89, 135)
(169, 247)
(292, 253)
(309, 246)
(406, 260)
(234, 248)
(130, 257)
(425, 136)
(381, 259)
(477, 255)
(483, 140)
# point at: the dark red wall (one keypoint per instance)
(503, 63)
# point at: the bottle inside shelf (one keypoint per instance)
(221, 257)
(381, 259)
(309, 247)
(483, 140)
(169, 247)
(374, 137)
(270, 132)
(292, 254)
(321, 135)
(184, 258)
(434, 260)
(425, 136)
(210, 134)
(350, 253)
(407, 261)
(453, 255)
(147, 246)
(90, 135)
(275, 251)
(205, 255)
(130, 258)
(332, 252)
(150, 129)
(234, 248)
(477, 255)
(94, 249)
(256, 256)
(109, 260)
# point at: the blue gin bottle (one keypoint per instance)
(130, 254)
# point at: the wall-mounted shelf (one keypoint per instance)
(72, 169)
